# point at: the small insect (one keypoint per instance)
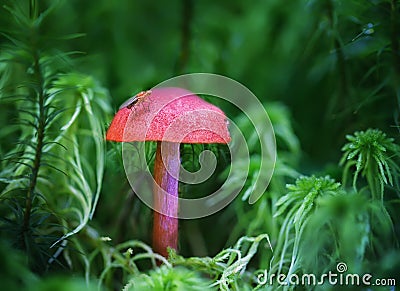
(138, 98)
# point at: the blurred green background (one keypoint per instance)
(311, 55)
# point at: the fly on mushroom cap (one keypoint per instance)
(139, 97)
(163, 107)
(173, 116)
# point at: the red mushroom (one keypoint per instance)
(169, 116)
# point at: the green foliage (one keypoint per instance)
(130, 262)
(62, 283)
(374, 155)
(52, 176)
(346, 227)
(228, 267)
(123, 256)
(165, 278)
(298, 205)
(12, 260)
(302, 195)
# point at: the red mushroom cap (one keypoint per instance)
(170, 114)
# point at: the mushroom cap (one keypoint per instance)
(170, 114)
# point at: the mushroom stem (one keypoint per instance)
(166, 174)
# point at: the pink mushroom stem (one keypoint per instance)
(166, 174)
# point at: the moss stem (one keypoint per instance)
(41, 120)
